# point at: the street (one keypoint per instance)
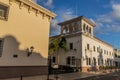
(111, 76)
(87, 76)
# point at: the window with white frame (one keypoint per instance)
(73, 60)
(70, 60)
(3, 11)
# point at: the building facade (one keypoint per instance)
(24, 37)
(85, 51)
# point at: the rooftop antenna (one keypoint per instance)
(118, 45)
(114, 43)
(76, 9)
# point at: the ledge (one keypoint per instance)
(36, 7)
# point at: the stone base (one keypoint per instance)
(24, 71)
(87, 69)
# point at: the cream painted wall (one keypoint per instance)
(23, 30)
(5, 1)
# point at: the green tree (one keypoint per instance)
(57, 43)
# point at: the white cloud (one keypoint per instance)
(54, 28)
(105, 18)
(116, 11)
(67, 14)
(114, 28)
(109, 22)
(34, 1)
(92, 20)
(46, 3)
(64, 14)
(49, 3)
(54, 23)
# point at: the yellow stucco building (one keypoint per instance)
(24, 36)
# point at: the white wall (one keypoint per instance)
(94, 42)
(62, 55)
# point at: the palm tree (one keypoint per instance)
(57, 43)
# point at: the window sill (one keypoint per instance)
(3, 18)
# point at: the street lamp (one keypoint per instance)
(49, 66)
(30, 50)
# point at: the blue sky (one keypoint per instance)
(104, 13)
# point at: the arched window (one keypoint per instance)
(87, 61)
(76, 27)
(94, 61)
(98, 61)
(110, 62)
(84, 27)
(66, 29)
(73, 28)
(105, 62)
(63, 29)
(102, 62)
(70, 28)
(89, 30)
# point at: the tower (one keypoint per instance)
(77, 25)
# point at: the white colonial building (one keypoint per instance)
(85, 51)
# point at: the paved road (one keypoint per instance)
(111, 76)
(73, 76)
(87, 76)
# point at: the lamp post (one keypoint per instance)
(30, 50)
(49, 66)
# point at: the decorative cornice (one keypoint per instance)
(75, 20)
(38, 8)
(98, 40)
(21, 4)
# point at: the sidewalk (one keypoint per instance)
(76, 75)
